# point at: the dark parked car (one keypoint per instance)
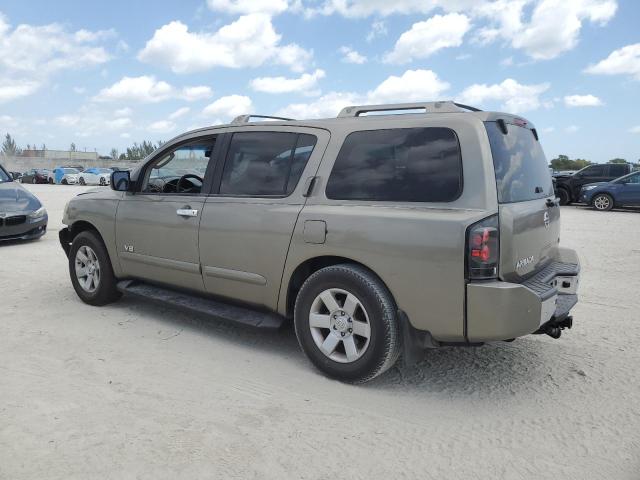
(35, 175)
(568, 186)
(22, 216)
(620, 192)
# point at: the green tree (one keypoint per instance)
(563, 162)
(114, 153)
(617, 160)
(9, 148)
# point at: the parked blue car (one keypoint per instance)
(620, 192)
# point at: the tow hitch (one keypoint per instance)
(554, 328)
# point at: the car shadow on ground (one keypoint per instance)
(498, 368)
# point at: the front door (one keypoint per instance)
(157, 226)
(629, 190)
(246, 227)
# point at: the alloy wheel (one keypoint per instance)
(87, 269)
(339, 325)
(602, 202)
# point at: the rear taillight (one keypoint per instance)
(483, 243)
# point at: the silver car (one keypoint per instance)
(375, 234)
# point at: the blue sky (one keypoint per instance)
(106, 74)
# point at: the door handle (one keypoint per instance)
(187, 212)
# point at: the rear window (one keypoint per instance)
(521, 168)
(618, 170)
(399, 165)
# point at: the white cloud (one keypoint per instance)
(181, 112)
(118, 123)
(147, 89)
(89, 121)
(425, 38)
(635, 129)
(572, 129)
(30, 54)
(162, 126)
(229, 106)
(366, 8)
(305, 83)
(248, 6)
(582, 101)
(191, 94)
(553, 28)
(250, 41)
(512, 96)
(123, 112)
(412, 85)
(378, 29)
(352, 56)
(624, 61)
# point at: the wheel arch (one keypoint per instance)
(308, 267)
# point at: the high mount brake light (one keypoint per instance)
(483, 243)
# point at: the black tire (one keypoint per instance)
(82, 182)
(51, 181)
(384, 342)
(602, 202)
(564, 196)
(64, 182)
(106, 291)
(102, 182)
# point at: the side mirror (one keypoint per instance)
(120, 181)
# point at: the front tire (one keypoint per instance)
(563, 196)
(345, 321)
(602, 202)
(82, 182)
(90, 270)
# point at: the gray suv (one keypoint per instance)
(378, 233)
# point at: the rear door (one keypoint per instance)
(247, 224)
(629, 189)
(529, 217)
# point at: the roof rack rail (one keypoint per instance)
(429, 107)
(240, 119)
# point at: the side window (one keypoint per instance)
(179, 171)
(595, 171)
(635, 179)
(617, 170)
(402, 165)
(265, 163)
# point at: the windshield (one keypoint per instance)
(4, 176)
(520, 165)
(70, 170)
(104, 170)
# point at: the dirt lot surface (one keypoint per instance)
(134, 390)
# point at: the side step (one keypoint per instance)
(207, 306)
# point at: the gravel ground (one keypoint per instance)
(134, 390)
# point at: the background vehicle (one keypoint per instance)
(22, 216)
(95, 176)
(35, 176)
(568, 186)
(63, 176)
(623, 191)
(373, 234)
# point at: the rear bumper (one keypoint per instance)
(499, 310)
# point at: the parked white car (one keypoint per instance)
(64, 176)
(95, 176)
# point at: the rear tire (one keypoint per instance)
(354, 335)
(88, 257)
(82, 182)
(563, 195)
(51, 181)
(603, 202)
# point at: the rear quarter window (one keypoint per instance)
(399, 165)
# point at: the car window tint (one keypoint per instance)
(166, 171)
(617, 170)
(635, 178)
(594, 171)
(265, 163)
(401, 165)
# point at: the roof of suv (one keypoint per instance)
(358, 113)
